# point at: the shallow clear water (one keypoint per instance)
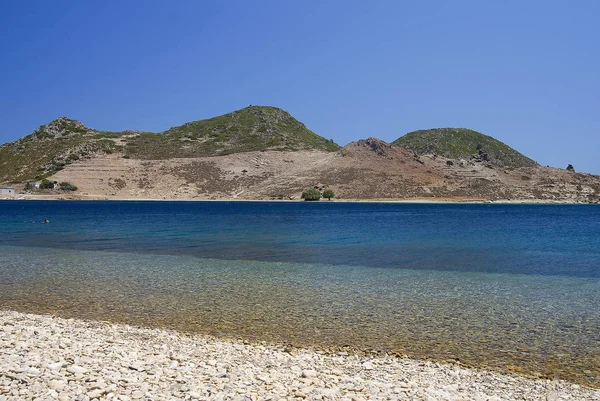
(513, 287)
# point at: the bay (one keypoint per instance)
(510, 287)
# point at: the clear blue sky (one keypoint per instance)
(525, 72)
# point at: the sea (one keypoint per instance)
(500, 286)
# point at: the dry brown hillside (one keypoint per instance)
(262, 152)
(366, 169)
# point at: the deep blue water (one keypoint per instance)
(503, 286)
(520, 239)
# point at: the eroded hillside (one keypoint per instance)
(264, 153)
(365, 170)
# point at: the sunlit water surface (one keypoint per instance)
(513, 287)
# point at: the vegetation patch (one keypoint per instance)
(328, 193)
(46, 184)
(311, 194)
(462, 143)
(49, 149)
(65, 186)
(253, 128)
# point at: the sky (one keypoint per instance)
(524, 72)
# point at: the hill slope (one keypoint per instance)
(250, 129)
(49, 148)
(61, 142)
(462, 143)
(366, 169)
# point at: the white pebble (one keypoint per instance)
(98, 361)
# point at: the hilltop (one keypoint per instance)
(463, 143)
(49, 148)
(250, 129)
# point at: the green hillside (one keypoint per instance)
(49, 148)
(250, 129)
(62, 141)
(462, 143)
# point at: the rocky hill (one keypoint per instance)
(50, 148)
(264, 153)
(61, 142)
(250, 129)
(462, 143)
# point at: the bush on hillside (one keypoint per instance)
(65, 186)
(328, 193)
(46, 184)
(311, 194)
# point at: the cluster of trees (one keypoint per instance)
(47, 184)
(314, 194)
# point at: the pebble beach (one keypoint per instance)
(50, 358)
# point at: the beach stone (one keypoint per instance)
(76, 369)
(309, 373)
(55, 366)
(31, 371)
(95, 394)
(57, 385)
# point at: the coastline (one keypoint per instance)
(47, 197)
(56, 358)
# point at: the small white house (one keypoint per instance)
(7, 191)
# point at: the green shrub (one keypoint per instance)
(311, 194)
(46, 184)
(65, 186)
(328, 193)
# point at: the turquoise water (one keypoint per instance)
(513, 287)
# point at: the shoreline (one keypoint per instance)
(466, 201)
(57, 358)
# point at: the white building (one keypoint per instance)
(7, 191)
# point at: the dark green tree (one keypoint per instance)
(311, 194)
(65, 186)
(328, 193)
(46, 184)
